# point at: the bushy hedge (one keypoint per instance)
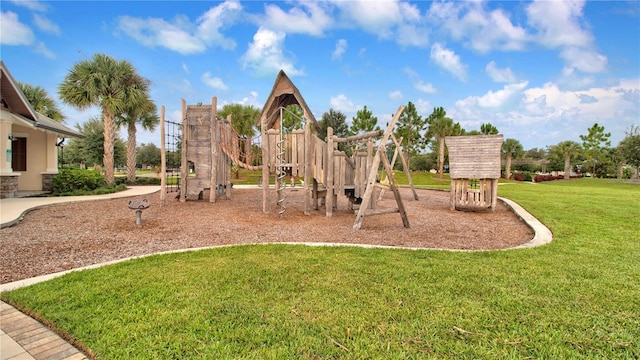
(70, 180)
(140, 180)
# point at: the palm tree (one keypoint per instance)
(569, 149)
(113, 85)
(145, 115)
(511, 148)
(439, 127)
(41, 101)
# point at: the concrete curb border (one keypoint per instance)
(542, 236)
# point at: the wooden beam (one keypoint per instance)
(330, 171)
(371, 180)
(405, 166)
(354, 138)
(184, 168)
(215, 145)
(163, 158)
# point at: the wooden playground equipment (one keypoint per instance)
(474, 163)
(210, 146)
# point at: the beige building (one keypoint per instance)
(28, 142)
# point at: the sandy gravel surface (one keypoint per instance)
(66, 236)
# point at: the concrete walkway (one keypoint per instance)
(22, 337)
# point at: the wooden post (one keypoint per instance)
(372, 203)
(394, 188)
(371, 180)
(184, 167)
(215, 153)
(308, 158)
(265, 166)
(227, 170)
(163, 159)
(494, 194)
(453, 194)
(405, 165)
(328, 167)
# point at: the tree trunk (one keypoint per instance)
(109, 138)
(567, 167)
(131, 152)
(508, 166)
(441, 157)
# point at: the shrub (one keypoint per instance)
(70, 180)
(518, 177)
(139, 181)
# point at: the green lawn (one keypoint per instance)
(574, 298)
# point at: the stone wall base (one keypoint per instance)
(8, 186)
(47, 182)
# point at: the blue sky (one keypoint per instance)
(541, 72)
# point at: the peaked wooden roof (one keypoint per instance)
(283, 94)
(14, 101)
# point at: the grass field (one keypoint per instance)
(577, 297)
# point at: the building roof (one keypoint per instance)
(283, 94)
(15, 102)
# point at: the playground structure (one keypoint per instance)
(474, 163)
(209, 146)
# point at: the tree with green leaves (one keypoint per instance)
(336, 120)
(630, 147)
(488, 129)
(90, 149)
(568, 150)
(143, 114)
(439, 127)
(244, 118)
(41, 101)
(410, 127)
(595, 143)
(512, 149)
(363, 122)
(148, 154)
(114, 86)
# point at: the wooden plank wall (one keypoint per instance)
(474, 157)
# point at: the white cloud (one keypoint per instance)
(216, 18)
(13, 31)
(41, 48)
(427, 88)
(46, 25)
(308, 18)
(391, 20)
(557, 23)
(584, 60)
(185, 68)
(341, 47)
(181, 35)
(396, 95)
(448, 60)
(558, 114)
(483, 30)
(501, 97)
(32, 5)
(158, 32)
(251, 100)
(342, 103)
(499, 75)
(423, 107)
(376, 17)
(265, 56)
(213, 82)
